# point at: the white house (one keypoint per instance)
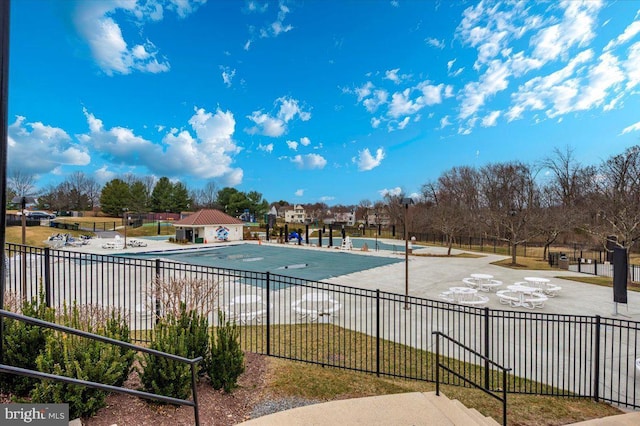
(207, 226)
(297, 215)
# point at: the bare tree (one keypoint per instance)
(564, 197)
(510, 202)
(364, 207)
(453, 199)
(616, 203)
(21, 184)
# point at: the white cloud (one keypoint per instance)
(392, 192)
(278, 26)
(475, 94)
(95, 23)
(491, 119)
(393, 76)
(402, 124)
(305, 141)
(444, 122)
(580, 85)
(434, 42)
(375, 122)
(327, 198)
(268, 125)
(266, 148)
(104, 175)
(630, 32)
(299, 193)
(632, 66)
(54, 148)
(366, 161)
(254, 6)
(309, 161)
(207, 155)
(633, 128)
(401, 104)
(227, 75)
(379, 98)
(364, 91)
(293, 145)
(576, 28)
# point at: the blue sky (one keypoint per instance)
(306, 101)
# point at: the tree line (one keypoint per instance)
(511, 201)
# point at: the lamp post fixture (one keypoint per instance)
(406, 202)
(126, 219)
(23, 200)
(377, 229)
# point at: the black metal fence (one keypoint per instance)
(352, 328)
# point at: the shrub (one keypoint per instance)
(22, 343)
(161, 375)
(80, 358)
(196, 329)
(225, 362)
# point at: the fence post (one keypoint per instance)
(579, 265)
(268, 314)
(437, 363)
(378, 332)
(596, 361)
(47, 276)
(486, 348)
(595, 267)
(157, 290)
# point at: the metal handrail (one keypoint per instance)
(37, 374)
(488, 361)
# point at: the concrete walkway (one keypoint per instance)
(404, 409)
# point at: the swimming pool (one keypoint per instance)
(290, 261)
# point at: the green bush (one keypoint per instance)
(79, 358)
(22, 343)
(225, 362)
(117, 328)
(161, 375)
(196, 329)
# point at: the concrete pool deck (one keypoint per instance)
(431, 275)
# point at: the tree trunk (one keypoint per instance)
(545, 251)
(449, 245)
(514, 246)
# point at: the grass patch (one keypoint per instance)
(36, 235)
(290, 378)
(602, 281)
(463, 255)
(525, 263)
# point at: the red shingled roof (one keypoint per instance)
(208, 217)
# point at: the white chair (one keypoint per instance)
(316, 306)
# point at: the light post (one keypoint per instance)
(126, 219)
(23, 200)
(406, 202)
(377, 230)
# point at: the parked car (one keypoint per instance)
(40, 215)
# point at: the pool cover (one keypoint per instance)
(290, 260)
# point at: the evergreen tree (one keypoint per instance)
(162, 195)
(115, 196)
(139, 198)
(180, 198)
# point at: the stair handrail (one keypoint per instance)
(488, 361)
(40, 375)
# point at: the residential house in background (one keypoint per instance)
(297, 215)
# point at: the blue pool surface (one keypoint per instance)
(289, 261)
